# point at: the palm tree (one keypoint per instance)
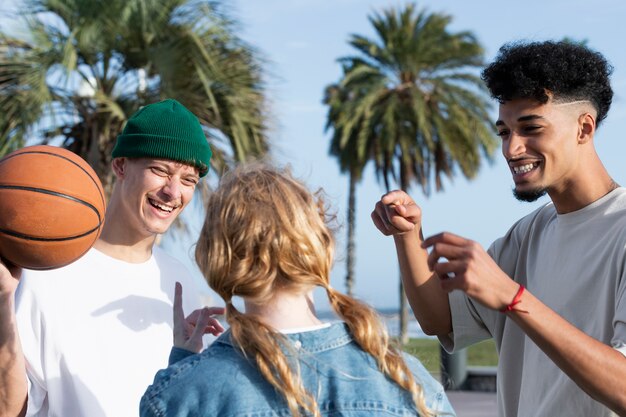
(352, 148)
(411, 102)
(85, 66)
(351, 160)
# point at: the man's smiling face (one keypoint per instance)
(155, 191)
(540, 145)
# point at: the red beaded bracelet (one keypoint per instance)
(516, 300)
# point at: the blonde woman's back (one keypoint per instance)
(344, 379)
(267, 240)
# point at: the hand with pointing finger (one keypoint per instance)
(188, 331)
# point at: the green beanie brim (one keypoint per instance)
(165, 130)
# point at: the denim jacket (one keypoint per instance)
(344, 379)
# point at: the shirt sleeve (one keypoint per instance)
(468, 327)
(619, 319)
(31, 330)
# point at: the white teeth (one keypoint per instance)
(523, 169)
(162, 206)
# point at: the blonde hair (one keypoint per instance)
(265, 231)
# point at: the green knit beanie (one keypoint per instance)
(167, 130)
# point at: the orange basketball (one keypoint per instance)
(51, 207)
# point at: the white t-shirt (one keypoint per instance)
(575, 263)
(95, 332)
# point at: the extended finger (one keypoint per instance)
(450, 269)
(444, 237)
(214, 327)
(194, 316)
(211, 311)
(178, 313)
(444, 250)
(203, 321)
(216, 311)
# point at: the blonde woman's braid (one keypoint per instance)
(370, 334)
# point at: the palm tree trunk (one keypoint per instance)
(404, 305)
(404, 316)
(350, 238)
(100, 160)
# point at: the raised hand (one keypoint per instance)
(188, 331)
(466, 266)
(396, 213)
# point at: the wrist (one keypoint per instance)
(7, 292)
(7, 296)
(414, 234)
(513, 305)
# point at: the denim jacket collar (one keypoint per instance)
(314, 341)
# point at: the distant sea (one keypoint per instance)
(391, 318)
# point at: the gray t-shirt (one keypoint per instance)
(575, 264)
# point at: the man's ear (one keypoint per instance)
(586, 127)
(119, 166)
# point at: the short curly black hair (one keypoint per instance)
(565, 70)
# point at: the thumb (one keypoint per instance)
(411, 212)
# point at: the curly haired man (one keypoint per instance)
(552, 290)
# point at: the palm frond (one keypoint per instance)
(84, 66)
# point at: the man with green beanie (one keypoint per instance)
(165, 130)
(95, 332)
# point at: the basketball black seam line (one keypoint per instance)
(54, 193)
(62, 157)
(47, 239)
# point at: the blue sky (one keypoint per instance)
(301, 41)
